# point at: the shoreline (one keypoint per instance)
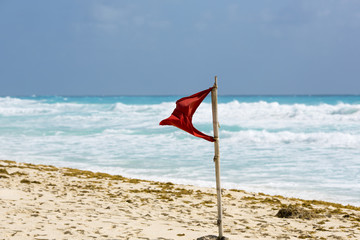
(46, 202)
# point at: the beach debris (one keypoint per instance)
(3, 171)
(17, 173)
(25, 181)
(212, 237)
(292, 211)
(209, 237)
(28, 181)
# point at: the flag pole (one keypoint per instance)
(217, 156)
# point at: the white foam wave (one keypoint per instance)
(26, 107)
(231, 113)
(235, 111)
(324, 139)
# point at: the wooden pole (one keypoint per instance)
(217, 156)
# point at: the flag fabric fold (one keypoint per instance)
(183, 113)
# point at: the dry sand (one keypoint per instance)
(45, 202)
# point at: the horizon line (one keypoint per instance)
(177, 95)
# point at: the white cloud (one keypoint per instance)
(233, 12)
(115, 17)
(105, 13)
(204, 21)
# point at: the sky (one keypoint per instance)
(176, 47)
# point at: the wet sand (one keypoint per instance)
(45, 202)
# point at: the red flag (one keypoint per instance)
(185, 109)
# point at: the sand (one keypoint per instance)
(45, 202)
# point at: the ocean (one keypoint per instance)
(297, 146)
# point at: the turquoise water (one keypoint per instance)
(299, 146)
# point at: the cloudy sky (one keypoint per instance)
(163, 47)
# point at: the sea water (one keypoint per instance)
(298, 146)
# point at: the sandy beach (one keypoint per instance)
(45, 202)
